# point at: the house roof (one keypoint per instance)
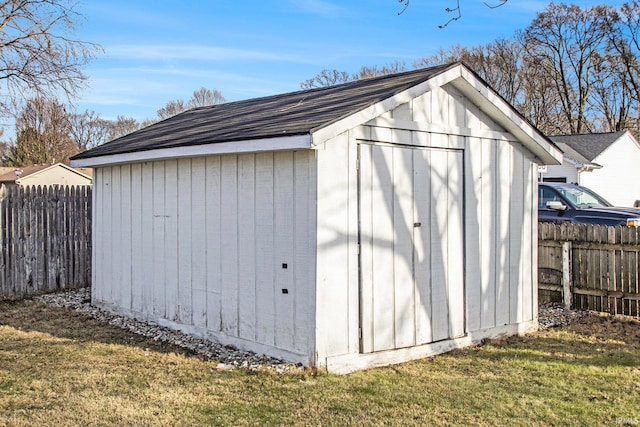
(589, 145)
(293, 120)
(15, 174)
(575, 158)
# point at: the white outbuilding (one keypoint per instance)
(607, 163)
(345, 227)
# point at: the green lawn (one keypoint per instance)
(60, 368)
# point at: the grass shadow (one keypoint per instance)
(32, 316)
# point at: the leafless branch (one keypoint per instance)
(455, 18)
(457, 10)
(38, 54)
(406, 5)
(495, 6)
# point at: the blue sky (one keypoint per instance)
(160, 50)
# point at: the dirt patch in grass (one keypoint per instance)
(58, 367)
(606, 327)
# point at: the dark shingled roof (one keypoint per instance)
(290, 114)
(590, 145)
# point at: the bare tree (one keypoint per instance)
(204, 97)
(122, 126)
(333, 77)
(564, 42)
(172, 108)
(624, 44)
(42, 134)
(88, 130)
(38, 54)
(572, 70)
(375, 71)
(499, 63)
(326, 78)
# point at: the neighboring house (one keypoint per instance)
(45, 175)
(607, 163)
(345, 227)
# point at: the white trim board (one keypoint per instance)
(244, 146)
(348, 363)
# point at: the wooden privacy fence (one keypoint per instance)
(592, 267)
(45, 239)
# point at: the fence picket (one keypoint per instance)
(605, 265)
(45, 239)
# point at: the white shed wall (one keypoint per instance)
(219, 246)
(618, 178)
(500, 228)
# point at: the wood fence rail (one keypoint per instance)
(45, 239)
(595, 267)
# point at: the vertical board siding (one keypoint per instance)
(455, 237)
(170, 267)
(212, 233)
(97, 228)
(125, 237)
(284, 221)
(247, 247)
(265, 249)
(502, 239)
(185, 237)
(158, 277)
(335, 318)
(516, 237)
(45, 239)
(302, 253)
(412, 246)
(423, 196)
(438, 246)
(117, 233)
(403, 207)
(497, 280)
(203, 242)
(198, 242)
(229, 245)
(474, 182)
(135, 250)
(488, 150)
(146, 255)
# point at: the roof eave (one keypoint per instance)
(505, 115)
(477, 91)
(289, 142)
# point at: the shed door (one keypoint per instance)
(412, 252)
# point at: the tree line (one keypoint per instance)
(41, 65)
(572, 70)
(46, 132)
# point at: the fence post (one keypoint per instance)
(567, 274)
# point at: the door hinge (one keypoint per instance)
(358, 248)
(357, 164)
(360, 333)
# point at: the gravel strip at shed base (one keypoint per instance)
(228, 357)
